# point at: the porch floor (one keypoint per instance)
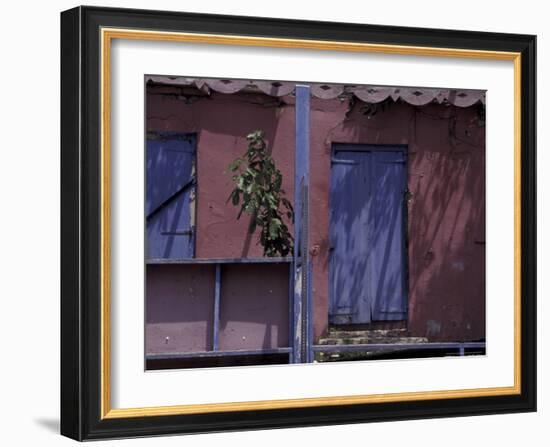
(348, 344)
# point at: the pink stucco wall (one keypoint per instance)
(446, 217)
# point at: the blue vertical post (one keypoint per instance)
(301, 185)
(291, 310)
(216, 323)
(309, 313)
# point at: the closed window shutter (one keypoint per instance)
(170, 188)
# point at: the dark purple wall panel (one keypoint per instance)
(179, 309)
(254, 306)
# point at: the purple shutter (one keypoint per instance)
(170, 185)
(388, 287)
(366, 234)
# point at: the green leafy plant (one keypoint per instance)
(259, 194)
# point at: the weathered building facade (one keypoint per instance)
(437, 148)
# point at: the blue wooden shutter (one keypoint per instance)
(366, 233)
(170, 185)
(388, 285)
(350, 195)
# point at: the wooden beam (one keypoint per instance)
(309, 313)
(397, 346)
(274, 260)
(301, 184)
(207, 354)
(217, 296)
(291, 310)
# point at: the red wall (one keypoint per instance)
(446, 219)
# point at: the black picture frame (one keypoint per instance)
(81, 387)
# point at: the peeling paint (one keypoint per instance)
(433, 328)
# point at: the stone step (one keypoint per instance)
(341, 333)
(372, 340)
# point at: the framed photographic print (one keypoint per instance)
(274, 223)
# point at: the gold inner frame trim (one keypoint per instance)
(107, 35)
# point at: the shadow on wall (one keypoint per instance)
(446, 213)
(447, 229)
